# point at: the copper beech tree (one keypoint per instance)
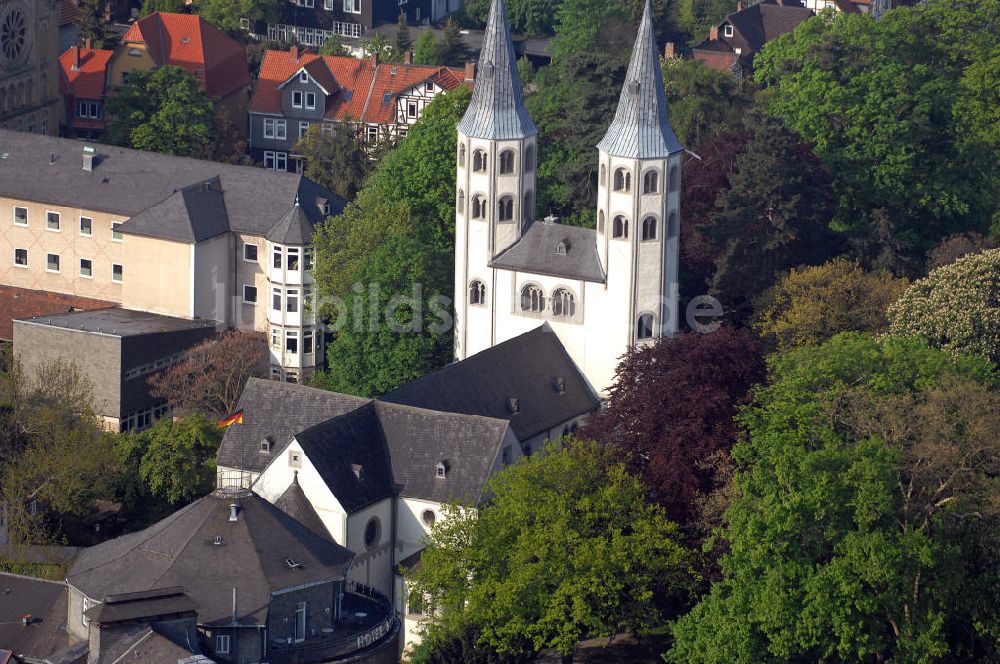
(212, 374)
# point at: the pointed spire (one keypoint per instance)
(497, 110)
(641, 128)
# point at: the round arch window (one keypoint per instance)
(373, 533)
(428, 517)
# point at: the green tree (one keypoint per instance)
(178, 458)
(94, 27)
(812, 304)
(226, 14)
(380, 46)
(425, 50)
(696, 17)
(335, 159)
(162, 110)
(703, 102)
(896, 108)
(956, 307)
(862, 525)
(451, 50)
(333, 46)
(567, 549)
(404, 43)
(168, 6)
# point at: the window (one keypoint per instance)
(604, 175)
(461, 155)
(275, 338)
(116, 233)
(308, 256)
(505, 209)
(441, 470)
(352, 6)
(88, 109)
(296, 100)
(249, 294)
(276, 161)
(373, 533)
(532, 298)
(461, 202)
(222, 644)
(277, 258)
(623, 180)
(600, 222)
(303, 77)
(307, 343)
(52, 221)
(310, 100)
(250, 253)
(292, 301)
(644, 329)
(294, 459)
(276, 299)
(300, 621)
(650, 182)
(428, 517)
(506, 162)
(86, 268)
(293, 259)
(411, 109)
(21, 257)
(371, 134)
(727, 30)
(479, 161)
(265, 446)
(563, 303)
(116, 272)
(672, 226)
(675, 178)
(84, 607)
(86, 226)
(477, 292)
(649, 228)
(21, 216)
(528, 210)
(529, 158)
(428, 85)
(274, 127)
(291, 341)
(619, 227)
(478, 207)
(269, 127)
(52, 262)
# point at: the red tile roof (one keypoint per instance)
(87, 82)
(24, 303)
(191, 42)
(360, 85)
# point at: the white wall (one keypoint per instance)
(213, 275)
(372, 566)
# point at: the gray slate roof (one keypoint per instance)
(119, 322)
(278, 411)
(294, 503)
(45, 601)
(294, 228)
(525, 368)
(126, 182)
(497, 109)
(641, 128)
(180, 551)
(536, 252)
(195, 213)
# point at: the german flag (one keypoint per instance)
(235, 418)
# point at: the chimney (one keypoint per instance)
(86, 43)
(408, 58)
(470, 71)
(234, 510)
(89, 158)
(739, 6)
(293, 53)
(76, 58)
(375, 59)
(713, 33)
(669, 51)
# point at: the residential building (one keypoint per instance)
(29, 68)
(601, 290)
(297, 89)
(168, 235)
(83, 84)
(732, 44)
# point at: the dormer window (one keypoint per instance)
(441, 470)
(265, 446)
(561, 249)
(727, 30)
(513, 405)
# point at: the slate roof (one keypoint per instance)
(195, 213)
(129, 606)
(115, 321)
(126, 182)
(641, 128)
(191, 42)
(754, 26)
(88, 81)
(46, 602)
(24, 303)
(294, 228)
(525, 368)
(180, 551)
(497, 109)
(536, 252)
(277, 410)
(294, 503)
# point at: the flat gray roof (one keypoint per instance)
(118, 322)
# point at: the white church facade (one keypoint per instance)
(602, 290)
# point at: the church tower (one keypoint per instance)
(29, 66)
(638, 199)
(495, 188)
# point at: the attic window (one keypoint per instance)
(303, 77)
(292, 564)
(514, 405)
(727, 30)
(561, 249)
(134, 52)
(441, 470)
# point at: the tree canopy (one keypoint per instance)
(226, 14)
(178, 458)
(335, 158)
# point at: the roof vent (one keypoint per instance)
(392, 72)
(218, 540)
(559, 384)
(291, 563)
(358, 469)
(514, 405)
(234, 511)
(89, 158)
(185, 40)
(386, 97)
(633, 88)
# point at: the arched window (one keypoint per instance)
(600, 222)
(604, 175)
(528, 211)
(529, 158)
(477, 292)
(650, 182)
(461, 201)
(675, 178)
(619, 227)
(623, 180)
(563, 303)
(505, 209)
(461, 155)
(478, 207)
(649, 228)
(479, 161)
(672, 226)
(506, 162)
(532, 298)
(644, 330)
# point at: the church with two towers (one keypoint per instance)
(603, 290)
